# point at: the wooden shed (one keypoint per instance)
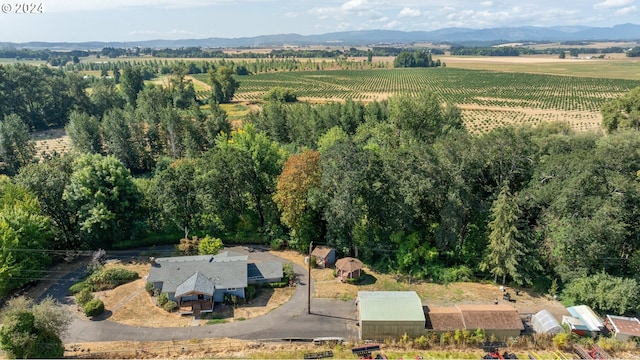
(623, 328)
(501, 321)
(325, 256)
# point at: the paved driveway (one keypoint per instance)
(329, 317)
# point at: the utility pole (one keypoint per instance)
(309, 280)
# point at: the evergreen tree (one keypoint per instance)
(505, 249)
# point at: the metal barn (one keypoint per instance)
(389, 314)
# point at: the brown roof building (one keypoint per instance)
(501, 321)
(624, 328)
(325, 256)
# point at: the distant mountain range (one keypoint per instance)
(624, 32)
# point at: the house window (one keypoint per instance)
(231, 289)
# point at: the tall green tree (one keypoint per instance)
(105, 199)
(85, 133)
(131, 83)
(24, 235)
(176, 190)
(120, 142)
(16, 146)
(505, 250)
(622, 112)
(34, 331)
(47, 181)
(223, 84)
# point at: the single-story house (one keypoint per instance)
(544, 322)
(348, 268)
(325, 256)
(197, 282)
(589, 318)
(501, 321)
(623, 328)
(389, 314)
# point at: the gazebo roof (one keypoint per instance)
(349, 264)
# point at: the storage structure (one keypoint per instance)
(589, 318)
(544, 322)
(389, 314)
(500, 321)
(624, 328)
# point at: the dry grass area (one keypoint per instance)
(226, 348)
(48, 142)
(326, 286)
(130, 304)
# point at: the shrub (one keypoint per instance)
(231, 299)
(93, 308)
(170, 306)
(188, 246)
(453, 274)
(77, 287)
(277, 285)
(148, 287)
(561, 340)
(276, 244)
(163, 299)
(210, 246)
(250, 292)
(352, 281)
(289, 273)
(108, 279)
(84, 296)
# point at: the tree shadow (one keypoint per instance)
(104, 316)
(367, 279)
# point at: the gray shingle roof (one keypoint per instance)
(265, 270)
(197, 283)
(225, 270)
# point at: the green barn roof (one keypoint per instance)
(390, 306)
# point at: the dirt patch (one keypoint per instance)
(49, 142)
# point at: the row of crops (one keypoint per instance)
(459, 86)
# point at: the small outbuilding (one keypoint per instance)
(589, 318)
(500, 321)
(544, 322)
(325, 256)
(348, 268)
(575, 325)
(389, 314)
(623, 328)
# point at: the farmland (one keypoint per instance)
(487, 98)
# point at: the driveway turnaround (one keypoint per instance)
(329, 317)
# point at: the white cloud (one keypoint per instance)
(356, 5)
(291, 14)
(627, 10)
(392, 25)
(608, 4)
(487, 3)
(409, 12)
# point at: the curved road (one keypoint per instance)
(329, 317)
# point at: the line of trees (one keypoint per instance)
(399, 183)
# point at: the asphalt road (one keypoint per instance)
(329, 317)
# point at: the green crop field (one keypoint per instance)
(487, 98)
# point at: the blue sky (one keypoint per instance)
(129, 20)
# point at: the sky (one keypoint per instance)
(135, 20)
